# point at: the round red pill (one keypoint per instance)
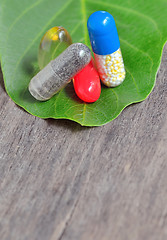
(87, 83)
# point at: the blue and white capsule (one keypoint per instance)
(106, 47)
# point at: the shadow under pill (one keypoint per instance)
(26, 96)
(69, 90)
(31, 68)
(30, 65)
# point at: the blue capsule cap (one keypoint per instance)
(103, 33)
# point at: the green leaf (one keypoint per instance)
(142, 30)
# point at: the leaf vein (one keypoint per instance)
(132, 11)
(83, 11)
(35, 39)
(133, 79)
(22, 14)
(144, 53)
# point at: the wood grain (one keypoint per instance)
(61, 181)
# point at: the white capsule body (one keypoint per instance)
(111, 68)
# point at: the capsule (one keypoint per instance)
(59, 71)
(87, 83)
(106, 47)
(52, 44)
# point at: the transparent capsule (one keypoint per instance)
(59, 71)
(54, 42)
(106, 47)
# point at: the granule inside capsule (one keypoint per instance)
(111, 68)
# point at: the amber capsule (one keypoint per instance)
(53, 42)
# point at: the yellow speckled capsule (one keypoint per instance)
(106, 47)
(111, 68)
(54, 42)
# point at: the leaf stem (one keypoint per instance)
(83, 11)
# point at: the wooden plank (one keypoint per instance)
(61, 181)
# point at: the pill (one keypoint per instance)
(106, 47)
(59, 71)
(87, 83)
(53, 42)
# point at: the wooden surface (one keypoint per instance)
(61, 181)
